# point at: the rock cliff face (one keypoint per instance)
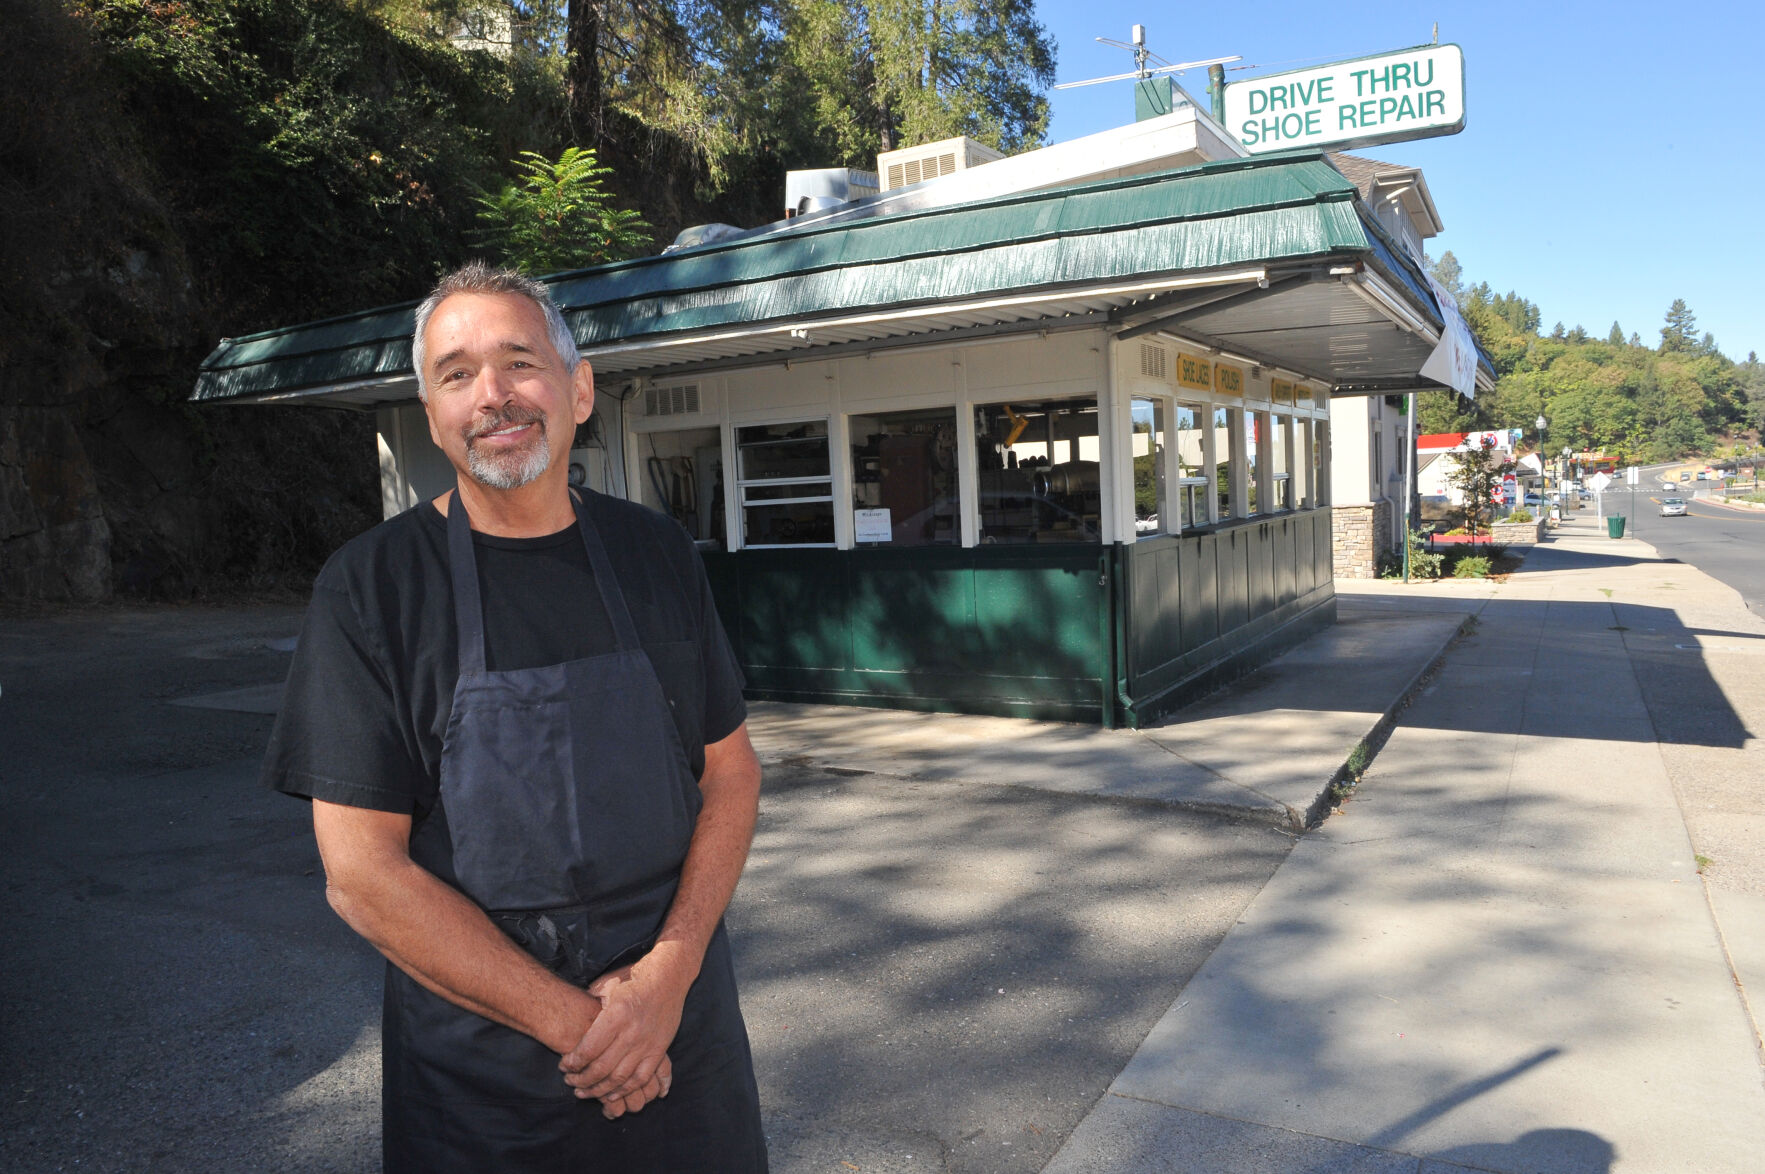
(54, 540)
(109, 480)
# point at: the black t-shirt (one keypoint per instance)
(371, 686)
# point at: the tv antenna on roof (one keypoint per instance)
(1146, 62)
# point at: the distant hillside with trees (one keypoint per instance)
(1672, 395)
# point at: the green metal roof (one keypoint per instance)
(1217, 215)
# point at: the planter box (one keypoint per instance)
(1482, 539)
(1518, 533)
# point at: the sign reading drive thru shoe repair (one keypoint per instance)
(1410, 94)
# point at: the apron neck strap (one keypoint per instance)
(462, 565)
(468, 602)
(612, 598)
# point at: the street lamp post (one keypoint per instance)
(1541, 485)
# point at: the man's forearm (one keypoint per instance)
(438, 936)
(719, 848)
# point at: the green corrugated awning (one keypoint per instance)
(1050, 253)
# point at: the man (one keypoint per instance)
(522, 732)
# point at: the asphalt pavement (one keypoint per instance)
(1724, 540)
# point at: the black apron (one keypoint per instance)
(566, 807)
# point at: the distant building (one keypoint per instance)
(487, 28)
(1435, 459)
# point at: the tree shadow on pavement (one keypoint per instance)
(956, 972)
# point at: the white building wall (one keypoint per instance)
(1369, 440)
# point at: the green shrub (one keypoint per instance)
(1423, 563)
(1472, 566)
(1520, 515)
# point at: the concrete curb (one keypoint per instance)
(1377, 736)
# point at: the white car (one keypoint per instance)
(1673, 507)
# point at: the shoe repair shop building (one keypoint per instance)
(1059, 453)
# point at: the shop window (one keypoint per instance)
(786, 484)
(1280, 463)
(1254, 443)
(1304, 475)
(904, 478)
(1151, 500)
(1224, 428)
(1037, 471)
(683, 478)
(1320, 461)
(1186, 435)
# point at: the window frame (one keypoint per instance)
(741, 482)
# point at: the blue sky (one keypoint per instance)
(1613, 156)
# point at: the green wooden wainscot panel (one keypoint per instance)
(1160, 665)
(990, 629)
(1305, 571)
(1232, 559)
(1201, 592)
(1286, 550)
(1261, 556)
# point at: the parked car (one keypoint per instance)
(1673, 507)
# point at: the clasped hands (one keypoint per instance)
(622, 1058)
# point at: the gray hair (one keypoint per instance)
(476, 277)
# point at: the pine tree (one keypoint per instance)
(1476, 472)
(876, 75)
(1447, 272)
(1616, 337)
(1681, 330)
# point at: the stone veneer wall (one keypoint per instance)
(1359, 534)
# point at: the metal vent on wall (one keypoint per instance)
(681, 400)
(1151, 361)
(913, 171)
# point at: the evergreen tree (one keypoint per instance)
(1577, 335)
(1681, 330)
(1751, 375)
(1476, 473)
(865, 76)
(1616, 337)
(1447, 272)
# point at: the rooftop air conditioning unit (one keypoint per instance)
(824, 188)
(911, 165)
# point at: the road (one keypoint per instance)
(1725, 542)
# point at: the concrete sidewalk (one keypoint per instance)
(1267, 749)
(1501, 955)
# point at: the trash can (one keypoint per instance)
(1615, 526)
